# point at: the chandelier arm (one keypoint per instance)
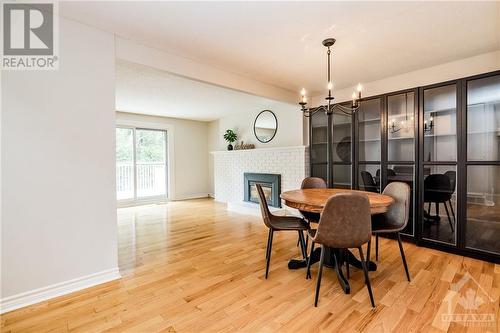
(345, 109)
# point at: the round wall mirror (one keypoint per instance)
(265, 126)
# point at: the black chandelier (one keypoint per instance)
(329, 108)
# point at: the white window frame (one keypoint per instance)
(135, 125)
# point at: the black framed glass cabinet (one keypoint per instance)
(443, 140)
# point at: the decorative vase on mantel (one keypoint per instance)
(229, 147)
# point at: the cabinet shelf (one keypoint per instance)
(438, 135)
(403, 138)
(369, 140)
(369, 121)
(447, 110)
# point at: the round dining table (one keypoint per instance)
(313, 201)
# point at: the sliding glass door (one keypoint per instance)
(141, 164)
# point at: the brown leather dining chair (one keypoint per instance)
(345, 223)
(395, 219)
(307, 183)
(280, 223)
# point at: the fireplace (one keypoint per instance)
(271, 185)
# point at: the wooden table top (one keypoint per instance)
(314, 200)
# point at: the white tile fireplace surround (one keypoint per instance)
(229, 166)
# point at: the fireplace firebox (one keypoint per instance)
(271, 185)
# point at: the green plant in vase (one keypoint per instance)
(230, 137)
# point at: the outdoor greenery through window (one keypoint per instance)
(141, 168)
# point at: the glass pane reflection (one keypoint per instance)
(369, 130)
(440, 127)
(341, 176)
(369, 178)
(483, 119)
(319, 170)
(405, 174)
(440, 183)
(483, 208)
(319, 136)
(401, 127)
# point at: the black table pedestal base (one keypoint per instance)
(334, 258)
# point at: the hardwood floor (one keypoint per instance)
(194, 267)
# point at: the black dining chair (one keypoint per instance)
(368, 182)
(437, 190)
(280, 223)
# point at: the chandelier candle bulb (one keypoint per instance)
(359, 88)
(303, 101)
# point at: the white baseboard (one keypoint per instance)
(191, 196)
(42, 294)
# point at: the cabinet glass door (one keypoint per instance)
(440, 181)
(401, 115)
(342, 148)
(369, 145)
(401, 127)
(482, 229)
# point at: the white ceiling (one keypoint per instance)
(145, 90)
(280, 42)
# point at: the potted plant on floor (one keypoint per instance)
(230, 137)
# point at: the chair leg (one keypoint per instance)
(269, 252)
(403, 257)
(346, 260)
(303, 248)
(452, 212)
(376, 247)
(368, 250)
(268, 240)
(429, 208)
(320, 272)
(308, 273)
(367, 278)
(448, 215)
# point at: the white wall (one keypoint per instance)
(289, 128)
(58, 178)
(189, 172)
(482, 63)
(289, 134)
